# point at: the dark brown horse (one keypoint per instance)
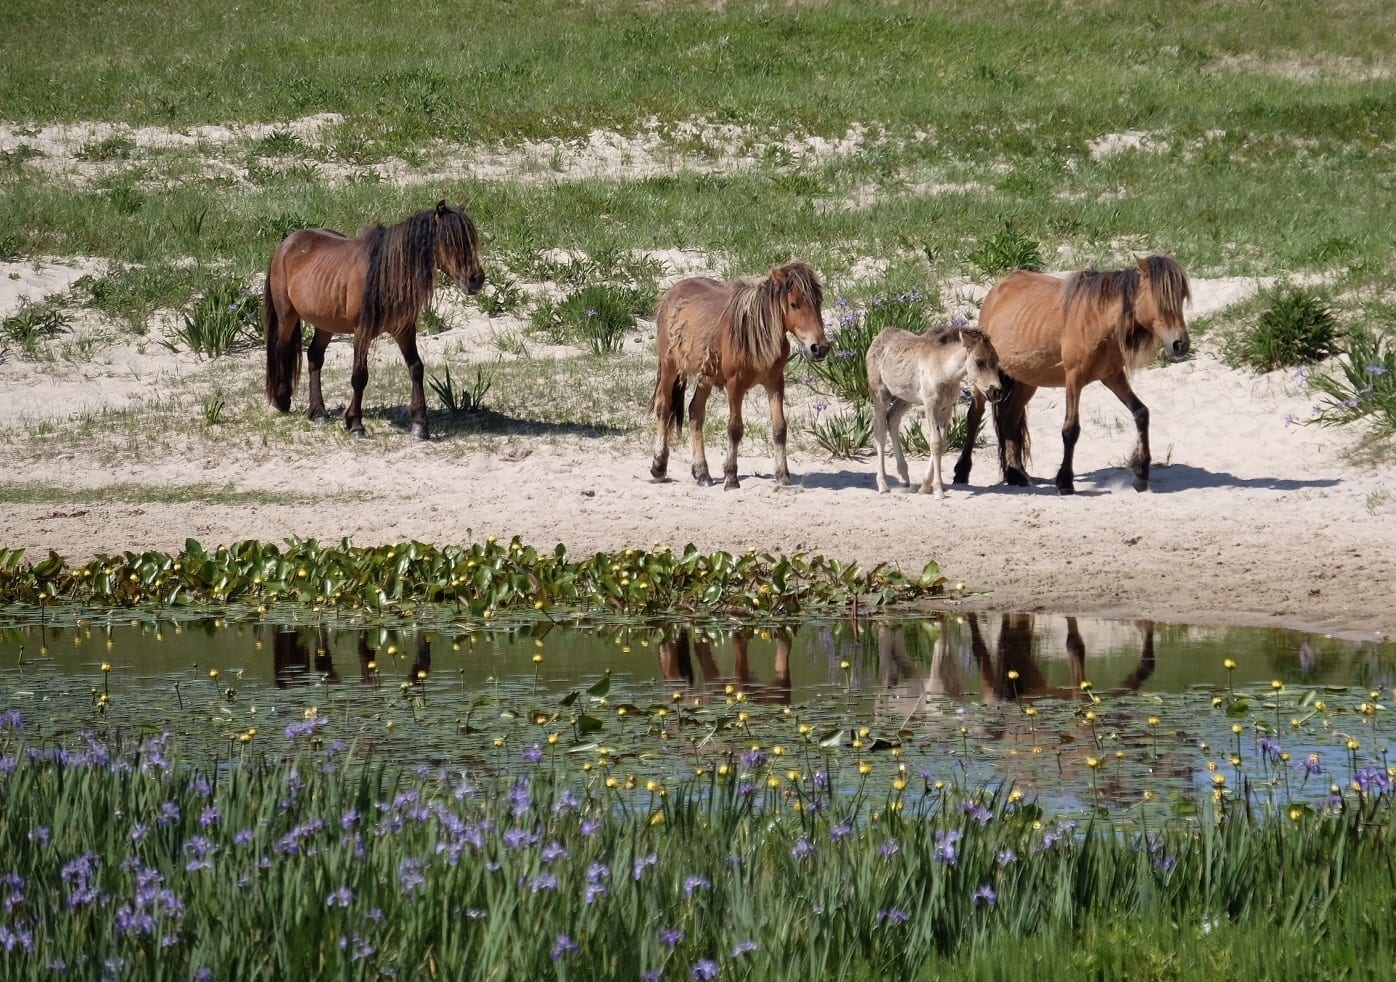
(732, 336)
(676, 664)
(375, 284)
(1066, 333)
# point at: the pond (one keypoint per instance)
(1074, 711)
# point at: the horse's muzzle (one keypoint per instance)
(1179, 348)
(472, 284)
(993, 393)
(819, 351)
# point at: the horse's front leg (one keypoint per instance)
(973, 418)
(315, 357)
(1071, 431)
(1011, 422)
(736, 393)
(358, 378)
(417, 408)
(937, 421)
(697, 416)
(1140, 460)
(881, 410)
(775, 395)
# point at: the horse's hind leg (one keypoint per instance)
(1139, 461)
(973, 418)
(895, 414)
(880, 400)
(417, 409)
(1011, 421)
(315, 357)
(697, 415)
(667, 406)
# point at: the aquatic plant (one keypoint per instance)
(482, 577)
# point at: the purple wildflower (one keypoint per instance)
(562, 946)
(985, 895)
(889, 848)
(693, 884)
(543, 881)
(533, 754)
(893, 916)
(672, 937)
(704, 969)
(643, 863)
(840, 831)
(342, 897)
(744, 947)
(802, 849)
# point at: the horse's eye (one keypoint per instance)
(980, 363)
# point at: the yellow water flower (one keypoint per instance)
(1218, 779)
(1229, 665)
(864, 768)
(106, 666)
(898, 784)
(1092, 762)
(1153, 721)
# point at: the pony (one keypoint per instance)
(374, 284)
(676, 659)
(732, 336)
(906, 369)
(1092, 326)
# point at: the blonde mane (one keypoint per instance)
(755, 314)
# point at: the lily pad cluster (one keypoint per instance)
(480, 578)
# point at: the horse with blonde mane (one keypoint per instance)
(374, 284)
(1091, 326)
(732, 336)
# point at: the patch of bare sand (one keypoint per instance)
(1250, 518)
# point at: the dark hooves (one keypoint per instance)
(357, 432)
(1015, 477)
(419, 431)
(320, 419)
(1141, 484)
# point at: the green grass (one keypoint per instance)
(32, 493)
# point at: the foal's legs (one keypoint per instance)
(1139, 460)
(315, 356)
(895, 415)
(417, 409)
(697, 415)
(883, 405)
(736, 392)
(937, 422)
(358, 378)
(973, 418)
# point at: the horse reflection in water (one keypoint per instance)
(1010, 672)
(304, 655)
(676, 663)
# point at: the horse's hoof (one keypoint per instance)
(657, 472)
(731, 484)
(960, 478)
(320, 419)
(1016, 477)
(1141, 484)
(357, 432)
(1066, 488)
(703, 481)
(419, 431)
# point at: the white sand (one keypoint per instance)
(1249, 519)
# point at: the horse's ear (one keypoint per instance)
(779, 275)
(441, 207)
(1143, 262)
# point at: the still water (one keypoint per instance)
(1074, 710)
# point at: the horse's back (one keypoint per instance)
(321, 272)
(688, 322)
(1023, 317)
(903, 362)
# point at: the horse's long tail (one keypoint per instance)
(1011, 423)
(673, 419)
(283, 355)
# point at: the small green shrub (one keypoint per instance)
(1364, 384)
(227, 318)
(468, 399)
(598, 315)
(32, 323)
(914, 435)
(844, 435)
(1004, 251)
(1296, 327)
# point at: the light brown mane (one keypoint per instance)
(755, 314)
(1104, 289)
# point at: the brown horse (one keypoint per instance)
(732, 336)
(1066, 333)
(375, 284)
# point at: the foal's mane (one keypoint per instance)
(1104, 288)
(402, 263)
(756, 322)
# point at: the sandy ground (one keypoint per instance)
(1250, 519)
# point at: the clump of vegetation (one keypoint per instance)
(227, 318)
(1296, 327)
(845, 434)
(35, 321)
(1005, 251)
(486, 576)
(468, 399)
(597, 316)
(1361, 385)
(133, 292)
